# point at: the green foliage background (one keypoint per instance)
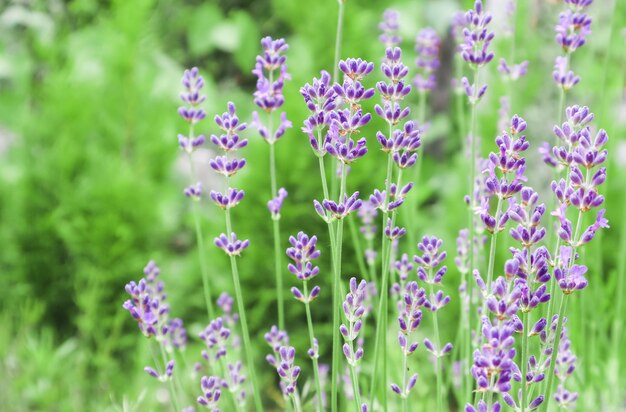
(91, 180)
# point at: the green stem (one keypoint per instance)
(438, 371)
(525, 320)
(316, 373)
(337, 297)
(354, 377)
(358, 249)
(244, 322)
(170, 380)
(338, 39)
(381, 318)
(555, 350)
(200, 243)
(405, 396)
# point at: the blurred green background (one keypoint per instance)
(91, 177)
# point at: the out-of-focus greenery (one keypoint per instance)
(91, 179)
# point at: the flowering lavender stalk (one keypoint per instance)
(507, 161)
(412, 299)
(288, 373)
(354, 311)
(192, 114)
(229, 141)
(303, 251)
(578, 192)
(427, 264)
(571, 32)
(148, 307)
(475, 51)
(269, 97)
(530, 266)
(401, 146)
(336, 117)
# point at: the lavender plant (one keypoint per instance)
(269, 97)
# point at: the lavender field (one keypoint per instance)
(343, 205)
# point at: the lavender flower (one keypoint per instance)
(276, 203)
(227, 200)
(194, 191)
(564, 78)
(192, 113)
(275, 338)
(390, 27)
(493, 366)
(409, 319)
(477, 38)
(514, 71)
(303, 251)
(287, 370)
(229, 123)
(427, 46)
(215, 336)
(337, 210)
(475, 47)
(211, 393)
(231, 246)
(482, 407)
(354, 310)
(269, 93)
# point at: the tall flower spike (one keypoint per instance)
(427, 46)
(287, 370)
(390, 27)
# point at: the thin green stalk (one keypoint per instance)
(492, 251)
(316, 373)
(358, 249)
(280, 300)
(412, 216)
(354, 377)
(381, 318)
(200, 243)
(170, 380)
(244, 322)
(336, 297)
(405, 398)
(525, 320)
(438, 371)
(555, 350)
(338, 39)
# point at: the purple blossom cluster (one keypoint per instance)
(302, 252)
(427, 47)
(475, 47)
(571, 33)
(148, 306)
(390, 27)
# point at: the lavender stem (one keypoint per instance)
(557, 341)
(336, 297)
(244, 322)
(316, 373)
(438, 371)
(525, 320)
(381, 318)
(171, 382)
(200, 242)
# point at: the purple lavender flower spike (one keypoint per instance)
(514, 71)
(393, 232)
(495, 358)
(225, 166)
(176, 337)
(227, 200)
(276, 204)
(211, 392)
(390, 27)
(570, 277)
(354, 311)
(477, 38)
(427, 46)
(232, 246)
(355, 69)
(348, 151)
(192, 113)
(215, 336)
(482, 407)
(230, 125)
(269, 93)
(564, 78)
(303, 251)
(341, 210)
(565, 399)
(572, 30)
(194, 191)
(287, 370)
